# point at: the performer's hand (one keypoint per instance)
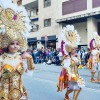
(25, 55)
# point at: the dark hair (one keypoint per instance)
(70, 54)
(6, 50)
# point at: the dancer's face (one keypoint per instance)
(13, 47)
(74, 51)
(99, 48)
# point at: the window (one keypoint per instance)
(47, 22)
(47, 3)
(33, 12)
(73, 6)
(29, 13)
(95, 3)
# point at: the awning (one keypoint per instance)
(32, 40)
(50, 38)
(34, 19)
(79, 18)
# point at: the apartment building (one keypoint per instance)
(48, 17)
(84, 15)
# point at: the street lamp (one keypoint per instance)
(46, 39)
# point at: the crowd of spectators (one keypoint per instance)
(84, 55)
(48, 56)
(54, 56)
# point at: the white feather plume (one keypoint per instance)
(18, 9)
(2, 30)
(66, 30)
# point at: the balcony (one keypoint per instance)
(35, 28)
(34, 18)
(30, 4)
(33, 14)
(25, 2)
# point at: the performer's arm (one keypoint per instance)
(66, 65)
(29, 60)
(0, 67)
(98, 57)
(30, 63)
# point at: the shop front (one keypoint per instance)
(50, 42)
(32, 42)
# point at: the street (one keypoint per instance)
(43, 84)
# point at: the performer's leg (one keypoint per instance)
(76, 93)
(67, 93)
(93, 72)
(25, 93)
(92, 77)
(98, 78)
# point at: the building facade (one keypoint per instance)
(48, 17)
(84, 15)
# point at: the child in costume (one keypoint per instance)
(94, 60)
(98, 58)
(14, 26)
(69, 78)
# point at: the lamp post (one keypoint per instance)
(46, 39)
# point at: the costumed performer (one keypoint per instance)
(94, 60)
(69, 78)
(14, 27)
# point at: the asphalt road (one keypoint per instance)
(43, 84)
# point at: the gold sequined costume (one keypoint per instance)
(11, 87)
(14, 26)
(69, 77)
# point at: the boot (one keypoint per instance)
(98, 79)
(67, 93)
(92, 77)
(76, 93)
(66, 97)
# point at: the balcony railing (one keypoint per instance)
(33, 13)
(33, 17)
(35, 28)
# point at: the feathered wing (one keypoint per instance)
(91, 44)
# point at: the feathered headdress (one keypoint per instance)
(14, 24)
(91, 44)
(95, 41)
(70, 39)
